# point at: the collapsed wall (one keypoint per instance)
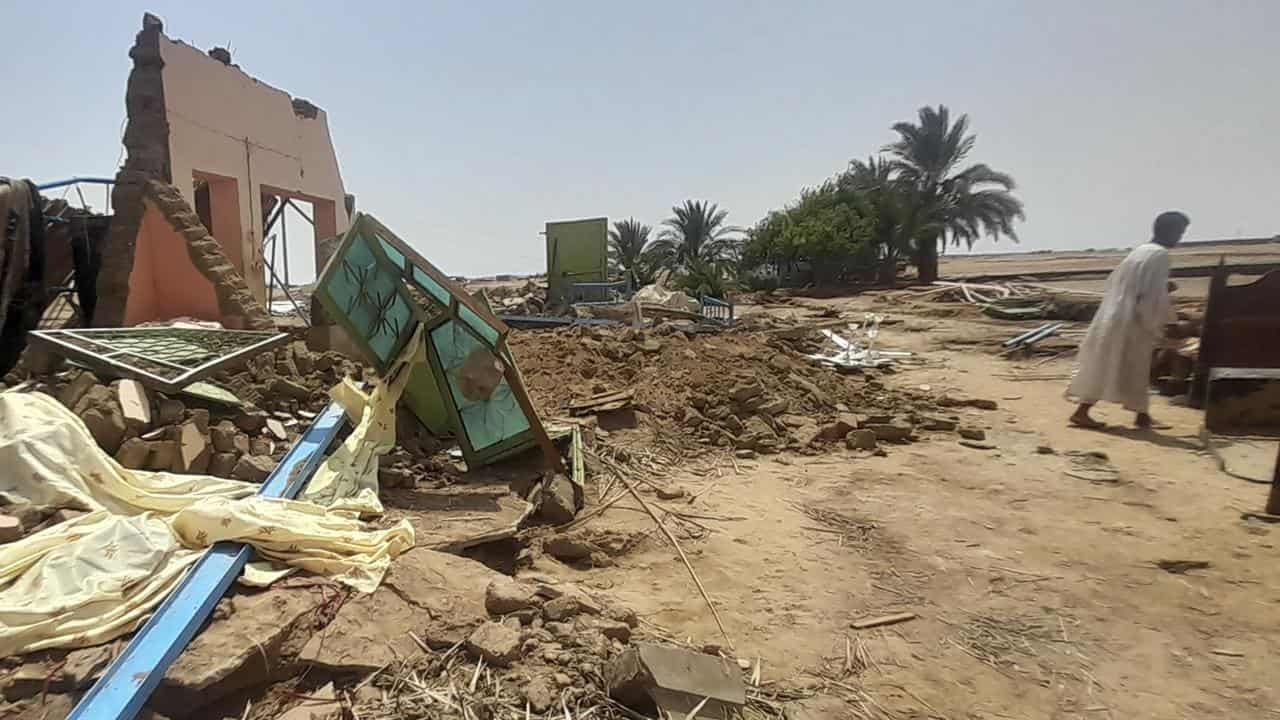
(210, 150)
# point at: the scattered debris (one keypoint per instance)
(1182, 567)
(882, 620)
(672, 682)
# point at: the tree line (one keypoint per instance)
(902, 206)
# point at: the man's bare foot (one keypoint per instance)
(1080, 418)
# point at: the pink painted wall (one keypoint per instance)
(225, 122)
(162, 269)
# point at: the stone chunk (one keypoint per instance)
(666, 681)
(972, 433)
(199, 416)
(222, 464)
(250, 642)
(223, 436)
(74, 390)
(746, 391)
(861, 440)
(133, 453)
(275, 428)
(504, 596)
(560, 500)
(566, 607)
(164, 453)
(897, 430)
(937, 423)
(193, 450)
(284, 387)
(496, 643)
(10, 529)
(106, 425)
(253, 468)
(250, 421)
(135, 405)
(440, 597)
(169, 411)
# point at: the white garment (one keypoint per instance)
(1115, 358)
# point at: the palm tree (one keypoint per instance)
(696, 230)
(900, 214)
(628, 252)
(963, 205)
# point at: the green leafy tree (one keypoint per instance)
(899, 214)
(629, 255)
(959, 205)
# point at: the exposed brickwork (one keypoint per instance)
(147, 174)
(236, 303)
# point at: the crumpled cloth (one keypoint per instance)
(97, 577)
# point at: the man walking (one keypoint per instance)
(1115, 358)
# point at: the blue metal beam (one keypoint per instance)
(129, 682)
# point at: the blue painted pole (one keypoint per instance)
(129, 682)
(72, 181)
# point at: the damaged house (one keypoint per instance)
(202, 184)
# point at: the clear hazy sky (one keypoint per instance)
(465, 126)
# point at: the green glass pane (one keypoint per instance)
(473, 321)
(365, 291)
(486, 422)
(433, 288)
(394, 255)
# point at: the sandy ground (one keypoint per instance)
(1037, 593)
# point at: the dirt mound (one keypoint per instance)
(736, 388)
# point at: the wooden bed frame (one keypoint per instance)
(1241, 335)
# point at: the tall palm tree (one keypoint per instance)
(628, 256)
(696, 230)
(964, 204)
(900, 214)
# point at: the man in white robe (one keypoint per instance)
(1115, 358)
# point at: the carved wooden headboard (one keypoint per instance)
(1241, 327)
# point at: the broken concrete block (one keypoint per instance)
(253, 468)
(199, 416)
(504, 596)
(79, 669)
(834, 431)
(10, 528)
(972, 433)
(261, 446)
(895, 431)
(275, 428)
(164, 453)
(106, 425)
(250, 421)
(75, 390)
(566, 607)
(776, 406)
(135, 405)
(286, 388)
(169, 411)
(223, 436)
(440, 597)
(251, 641)
(746, 391)
(133, 453)
(612, 629)
(193, 450)
(570, 548)
(861, 440)
(667, 681)
(937, 423)
(496, 643)
(222, 464)
(322, 703)
(560, 500)
(541, 694)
